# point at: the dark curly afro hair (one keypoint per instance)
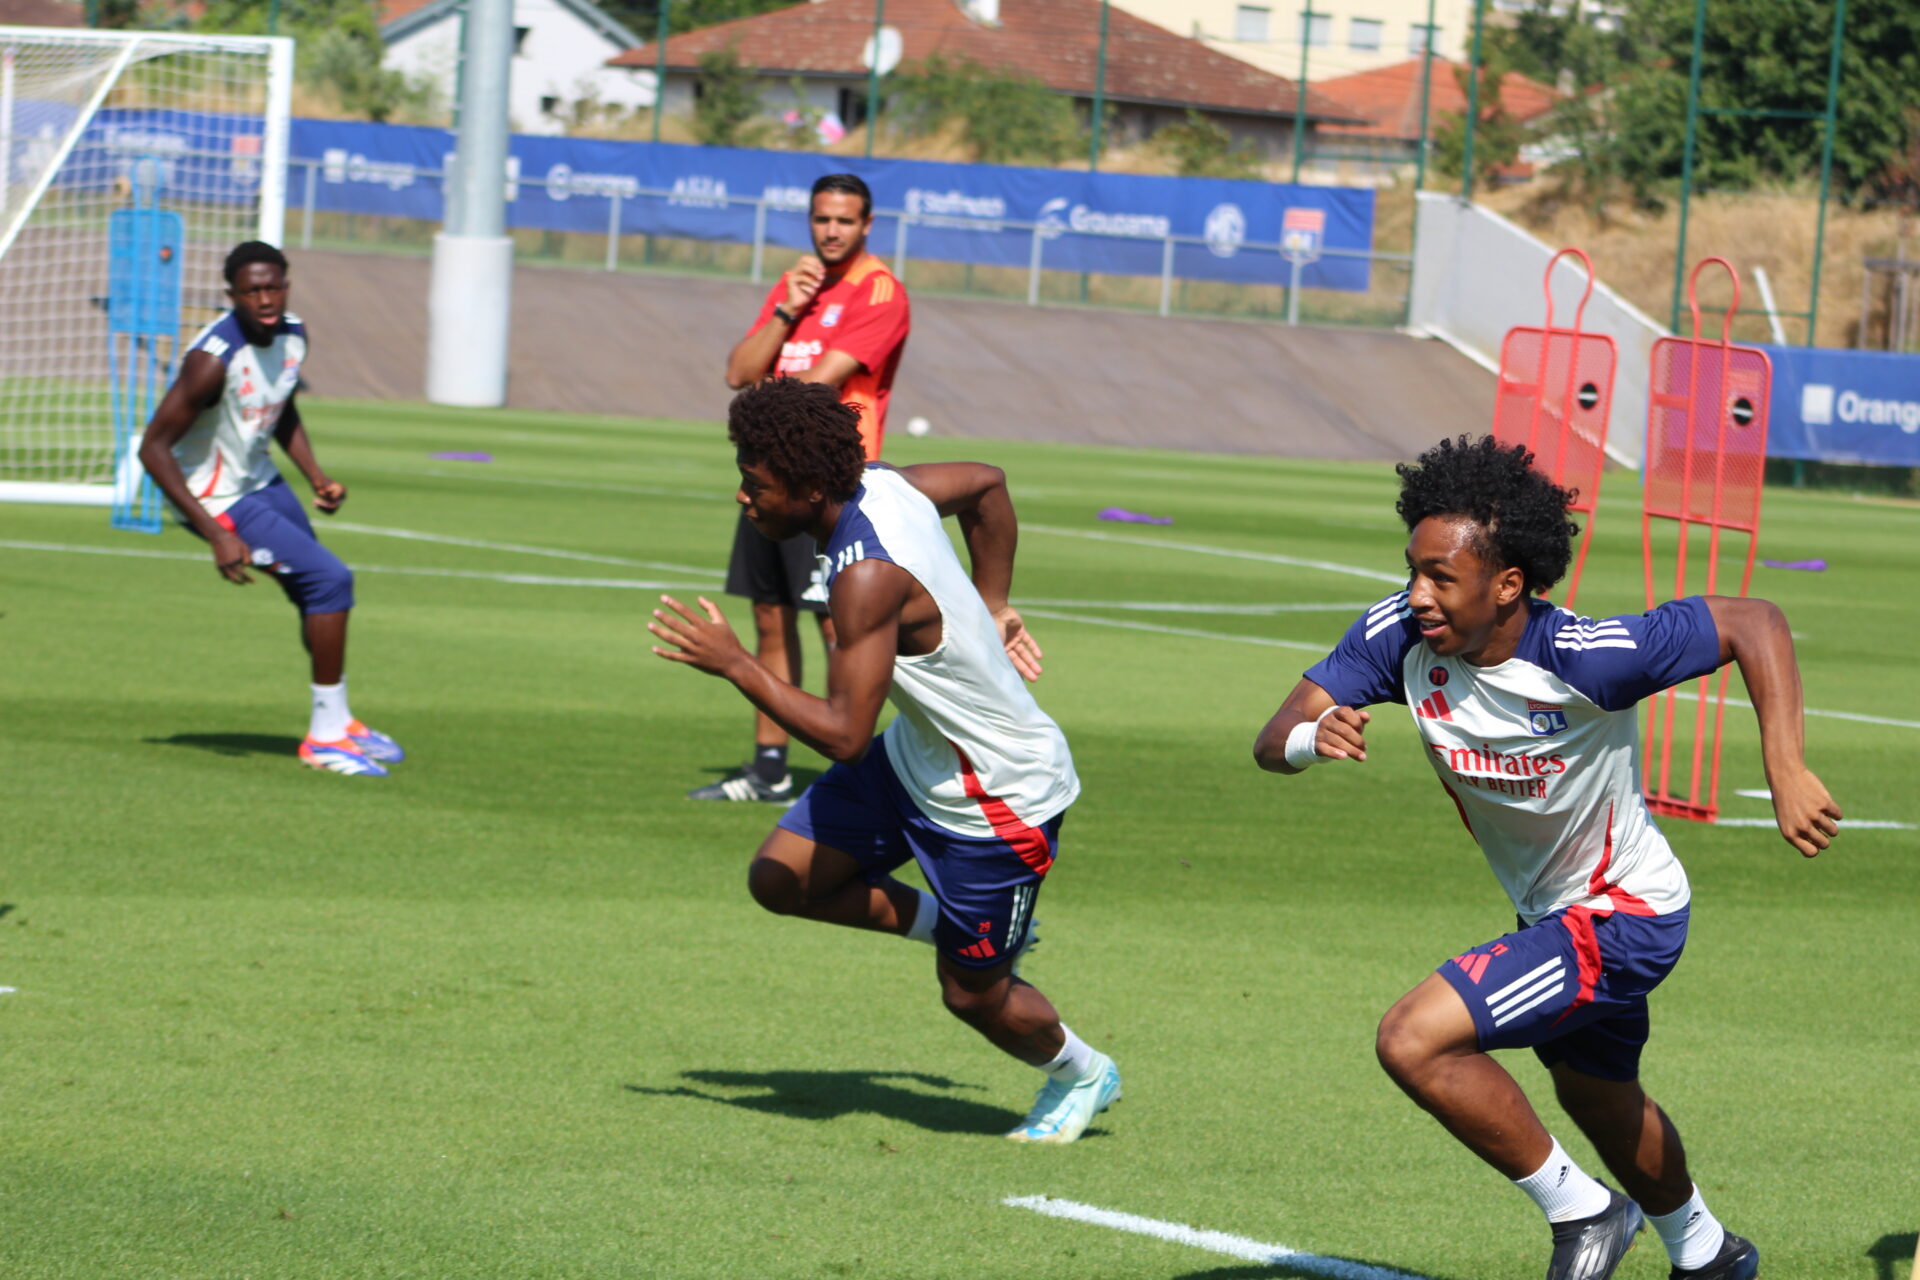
(802, 433)
(1522, 515)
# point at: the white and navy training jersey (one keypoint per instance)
(1541, 753)
(971, 746)
(224, 453)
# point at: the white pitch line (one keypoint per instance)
(482, 544)
(515, 579)
(1171, 606)
(1265, 557)
(1846, 824)
(1272, 1255)
(1854, 716)
(1171, 631)
(715, 494)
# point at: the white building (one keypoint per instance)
(1343, 37)
(561, 48)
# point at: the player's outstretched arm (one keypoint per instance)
(867, 599)
(1336, 732)
(202, 380)
(1754, 634)
(976, 493)
(291, 432)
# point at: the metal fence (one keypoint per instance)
(1383, 305)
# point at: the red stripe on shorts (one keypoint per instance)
(1029, 842)
(1586, 954)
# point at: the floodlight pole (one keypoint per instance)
(470, 298)
(873, 72)
(1099, 93)
(659, 69)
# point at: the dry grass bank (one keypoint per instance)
(1633, 251)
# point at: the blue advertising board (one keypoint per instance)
(1830, 405)
(1113, 223)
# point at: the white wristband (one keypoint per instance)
(1300, 751)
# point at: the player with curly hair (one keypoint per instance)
(971, 780)
(1527, 716)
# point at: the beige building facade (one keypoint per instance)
(1340, 37)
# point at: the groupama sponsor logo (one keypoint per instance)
(1058, 215)
(1821, 405)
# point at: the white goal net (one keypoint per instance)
(129, 164)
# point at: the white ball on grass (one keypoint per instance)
(918, 426)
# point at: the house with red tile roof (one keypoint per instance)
(560, 54)
(1390, 100)
(41, 13)
(1152, 75)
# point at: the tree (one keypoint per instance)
(1202, 148)
(1005, 117)
(726, 101)
(1496, 137)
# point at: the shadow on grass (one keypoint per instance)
(1329, 1266)
(1893, 1254)
(233, 744)
(829, 1095)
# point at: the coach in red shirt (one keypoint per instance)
(838, 317)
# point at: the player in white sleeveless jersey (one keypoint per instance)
(971, 780)
(1527, 716)
(207, 450)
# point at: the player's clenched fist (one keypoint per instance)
(1340, 734)
(804, 281)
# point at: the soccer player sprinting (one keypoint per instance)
(971, 780)
(207, 449)
(1527, 716)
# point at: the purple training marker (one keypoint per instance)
(454, 455)
(1811, 566)
(1133, 517)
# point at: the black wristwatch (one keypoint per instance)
(781, 313)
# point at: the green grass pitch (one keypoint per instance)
(511, 1013)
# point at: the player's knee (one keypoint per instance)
(329, 590)
(976, 1008)
(1403, 1052)
(774, 886)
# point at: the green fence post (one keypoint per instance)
(1826, 167)
(273, 17)
(660, 69)
(1300, 90)
(1099, 93)
(1473, 102)
(1426, 89)
(1686, 160)
(873, 73)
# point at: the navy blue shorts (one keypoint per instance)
(985, 887)
(1573, 987)
(274, 526)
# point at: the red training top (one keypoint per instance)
(864, 313)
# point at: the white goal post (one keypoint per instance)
(130, 162)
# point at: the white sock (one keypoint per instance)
(330, 714)
(1691, 1233)
(1562, 1188)
(924, 918)
(1073, 1062)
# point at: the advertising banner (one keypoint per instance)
(1112, 223)
(1831, 405)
